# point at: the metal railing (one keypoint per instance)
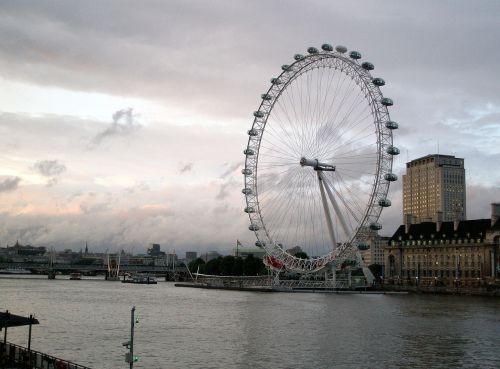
(14, 356)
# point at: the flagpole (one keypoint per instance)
(237, 250)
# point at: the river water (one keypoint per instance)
(86, 322)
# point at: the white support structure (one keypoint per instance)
(329, 223)
(343, 222)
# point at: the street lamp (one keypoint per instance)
(129, 356)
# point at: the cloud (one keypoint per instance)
(231, 168)
(123, 124)
(9, 184)
(186, 167)
(51, 169)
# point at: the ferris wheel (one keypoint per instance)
(319, 161)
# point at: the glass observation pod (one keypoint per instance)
(385, 203)
(327, 47)
(391, 124)
(249, 210)
(285, 67)
(247, 191)
(253, 227)
(391, 177)
(298, 56)
(260, 244)
(375, 226)
(367, 66)
(362, 246)
(341, 49)
(246, 171)
(266, 97)
(258, 114)
(393, 150)
(248, 152)
(378, 82)
(312, 50)
(253, 132)
(276, 81)
(355, 55)
(386, 101)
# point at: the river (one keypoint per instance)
(86, 322)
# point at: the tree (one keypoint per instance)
(238, 266)
(301, 255)
(226, 265)
(213, 266)
(194, 264)
(252, 265)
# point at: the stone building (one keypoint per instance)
(375, 253)
(445, 253)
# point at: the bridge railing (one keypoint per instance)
(14, 356)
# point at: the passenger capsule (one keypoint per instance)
(248, 152)
(378, 82)
(266, 97)
(391, 124)
(260, 244)
(362, 246)
(391, 177)
(375, 226)
(355, 55)
(249, 210)
(341, 49)
(312, 50)
(367, 66)
(386, 101)
(258, 114)
(285, 67)
(253, 132)
(246, 191)
(385, 203)
(246, 171)
(275, 81)
(254, 227)
(327, 47)
(393, 150)
(298, 56)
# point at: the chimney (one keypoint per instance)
(495, 213)
(439, 220)
(408, 222)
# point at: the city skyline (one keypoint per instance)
(123, 127)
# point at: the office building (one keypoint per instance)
(434, 189)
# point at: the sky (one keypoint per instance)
(123, 123)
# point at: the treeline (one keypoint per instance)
(229, 265)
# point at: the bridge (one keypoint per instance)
(40, 268)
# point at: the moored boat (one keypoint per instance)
(141, 279)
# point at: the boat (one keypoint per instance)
(140, 279)
(75, 276)
(16, 270)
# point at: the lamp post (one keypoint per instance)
(129, 356)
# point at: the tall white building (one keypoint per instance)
(434, 187)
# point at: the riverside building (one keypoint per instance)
(465, 253)
(434, 184)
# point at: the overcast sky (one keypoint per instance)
(123, 122)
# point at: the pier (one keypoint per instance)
(17, 357)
